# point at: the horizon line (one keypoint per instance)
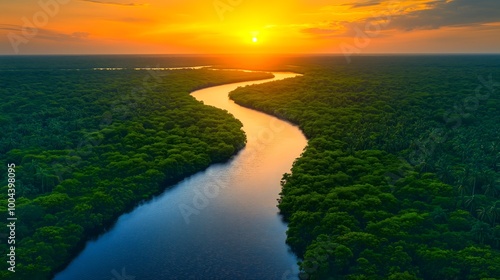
(252, 54)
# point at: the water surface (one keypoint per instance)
(221, 223)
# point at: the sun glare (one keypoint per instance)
(254, 39)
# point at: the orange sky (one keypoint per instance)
(232, 26)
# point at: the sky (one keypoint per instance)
(248, 26)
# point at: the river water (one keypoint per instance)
(221, 223)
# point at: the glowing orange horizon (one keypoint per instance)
(239, 26)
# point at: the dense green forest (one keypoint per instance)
(89, 145)
(400, 178)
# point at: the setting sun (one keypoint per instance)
(222, 26)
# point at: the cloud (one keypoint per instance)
(81, 35)
(449, 13)
(365, 4)
(61, 37)
(10, 27)
(47, 34)
(427, 15)
(135, 20)
(318, 31)
(329, 30)
(115, 3)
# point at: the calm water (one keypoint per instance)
(222, 223)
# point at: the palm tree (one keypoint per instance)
(42, 173)
(444, 171)
(481, 213)
(470, 202)
(490, 187)
(481, 231)
(473, 173)
(461, 190)
(492, 147)
(493, 212)
(496, 236)
(33, 165)
(459, 174)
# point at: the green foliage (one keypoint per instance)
(400, 176)
(89, 145)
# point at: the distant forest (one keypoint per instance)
(89, 145)
(400, 178)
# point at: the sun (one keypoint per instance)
(255, 36)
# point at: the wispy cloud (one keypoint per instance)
(427, 15)
(10, 27)
(449, 13)
(115, 3)
(47, 34)
(328, 29)
(135, 20)
(319, 31)
(62, 37)
(364, 4)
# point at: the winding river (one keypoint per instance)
(221, 223)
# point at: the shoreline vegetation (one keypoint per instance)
(399, 179)
(400, 176)
(91, 145)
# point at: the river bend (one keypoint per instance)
(221, 223)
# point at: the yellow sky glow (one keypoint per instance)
(242, 26)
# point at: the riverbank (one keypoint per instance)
(222, 220)
(102, 142)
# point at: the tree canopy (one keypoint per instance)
(400, 176)
(89, 145)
